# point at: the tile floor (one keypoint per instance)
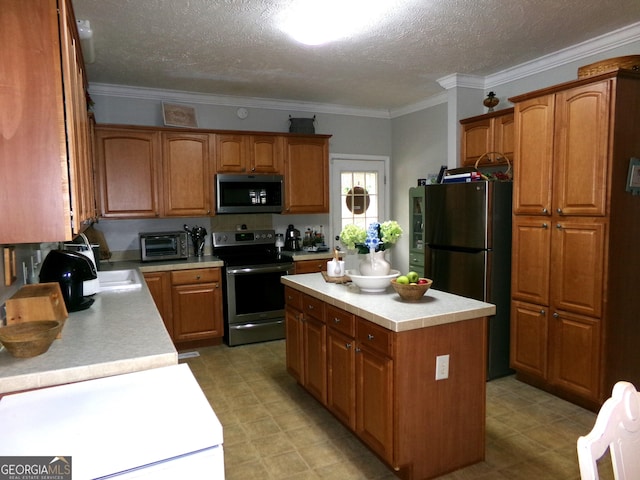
(274, 430)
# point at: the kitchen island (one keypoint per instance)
(372, 360)
(121, 332)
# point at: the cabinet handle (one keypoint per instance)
(358, 350)
(545, 226)
(197, 277)
(217, 285)
(369, 336)
(310, 307)
(559, 210)
(558, 226)
(542, 312)
(555, 315)
(544, 210)
(336, 320)
(347, 345)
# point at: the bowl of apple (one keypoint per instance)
(411, 287)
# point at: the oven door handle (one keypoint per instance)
(281, 267)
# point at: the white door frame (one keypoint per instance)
(334, 183)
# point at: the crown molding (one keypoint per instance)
(461, 80)
(230, 101)
(580, 51)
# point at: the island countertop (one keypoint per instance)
(121, 332)
(387, 309)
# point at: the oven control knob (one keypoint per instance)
(269, 235)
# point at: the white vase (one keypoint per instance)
(374, 264)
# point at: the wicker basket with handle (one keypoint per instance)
(628, 62)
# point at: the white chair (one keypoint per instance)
(617, 427)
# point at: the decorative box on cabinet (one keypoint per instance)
(491, 132)
(46, 175)
(573, 230)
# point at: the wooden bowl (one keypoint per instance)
(410, 292)
(29, 339)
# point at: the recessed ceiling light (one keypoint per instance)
(316, 22)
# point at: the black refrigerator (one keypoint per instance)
(468, 253)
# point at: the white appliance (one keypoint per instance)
(89, 287)
(151, 424)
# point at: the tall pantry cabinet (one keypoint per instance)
(46, 174)
(576, 231)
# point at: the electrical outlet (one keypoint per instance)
(442, 367)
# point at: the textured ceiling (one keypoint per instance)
(233, 47)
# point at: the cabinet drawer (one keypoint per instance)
(293, 298)
(197, 275)
(374, 336)
(311, 266)
(313, 307)
(341, 320)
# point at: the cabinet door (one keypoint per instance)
(294, 334)
(315, 363)
(575, 353)
(581, 150)
(307, 175)
(577, 266)
(504, 135)
(186, 172)
(128, 172)
(159, 284)
(533, 156)
(231, 153)
(341, 374)
(530, 262)
(197, 311)
(374, 400)
(528, 349)
(476, 140)
(265, 154)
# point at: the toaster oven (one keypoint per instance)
(155, 246)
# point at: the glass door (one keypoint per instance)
(416, 229)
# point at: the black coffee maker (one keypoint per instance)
(292, 239)
(70, 270)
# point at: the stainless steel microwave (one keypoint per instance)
(249, 193)
(163, 246)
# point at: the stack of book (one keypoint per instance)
(462, 177)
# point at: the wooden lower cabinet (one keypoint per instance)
(190, 303)
(381, 385)
(311, 266)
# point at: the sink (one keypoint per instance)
(116, 280)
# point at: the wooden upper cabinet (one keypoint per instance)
(306, 171)
(492, 132)
(532, 169)
(186, 172)
(238, 153)
(44, 112)
(582, 149)
(128, 172)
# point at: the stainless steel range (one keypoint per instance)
(254, 296)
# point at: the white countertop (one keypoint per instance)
(388, 309)
(121, 332)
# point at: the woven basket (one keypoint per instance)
(29, 339)
(499, 160)
(629, 62)
(410, 292)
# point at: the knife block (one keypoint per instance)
(41, 301)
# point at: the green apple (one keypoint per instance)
(403, 280)
(413, 277)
